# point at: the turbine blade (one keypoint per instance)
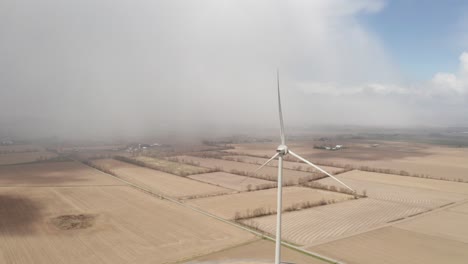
(320, 169)
(268, 161)
(283, 140)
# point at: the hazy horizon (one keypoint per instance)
(129, 68)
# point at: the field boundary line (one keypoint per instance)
(193, 258)
(261, 235)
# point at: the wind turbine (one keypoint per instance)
(281, 151)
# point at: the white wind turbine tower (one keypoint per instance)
(281, 151)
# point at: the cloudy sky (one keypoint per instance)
(70, 67)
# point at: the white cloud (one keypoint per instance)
(450, 82)
(442, 83)
(464, 64)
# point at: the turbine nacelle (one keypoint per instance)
(282, 150)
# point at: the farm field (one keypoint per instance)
(321, 224)
(228, 166)
(286, 164)
(395, 246)
(177, 168)
(448, 224)
(25, 157)
(435, 161)
(463, 208)
(406, 181)
(260, 251)
(403, 193)
(160, 182)
(41, 204)
(124, 225)
(23, 148)
(67, 173)
(227, 206)
(390, 200)
(231, 181)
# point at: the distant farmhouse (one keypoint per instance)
(329, 147)
(135, 147)
(6, 142)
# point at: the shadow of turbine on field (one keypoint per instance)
(18, 215)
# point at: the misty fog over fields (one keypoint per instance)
(87, 68)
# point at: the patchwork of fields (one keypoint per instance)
(233, 181)
(170, 167)
(227, 206)
(286, 164)
(385, 203)
(268, 173)
(438, 237)
(161, 182)
(68, 212)
(434, 161)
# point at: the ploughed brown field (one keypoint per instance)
(161, 182)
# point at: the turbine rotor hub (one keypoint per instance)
(282, 150)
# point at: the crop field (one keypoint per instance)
(320, 224)
(391, 199)
(448, 224)
(25, 157)
(269, 173)
(438, 162)
(434, 161)
(440, 236)
(405, 181)
(395, 246)
(227, 206)
(67, 173)
(68, 212)
(177, 168)
(460, 209)
(258, 252)
(232, 181)
(160, 182)
(104, 224)
(401, 192)
(286, 164)
(20, 148)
